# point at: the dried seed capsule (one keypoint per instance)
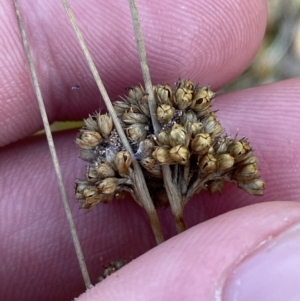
(215, 186)
(91, 174)
(91, 123)
(180, 154)
(254, 187)
(163, 94)
(201, 143)
(249, 158)
(121, 106)
(105, 124)
(135, 93)
(161, 155)
(222, 145)
(224, 162)
(133, 118)
(108, 185)
(208, 164)
(212, 126)
(188, 116)
(177, 135)
(90, 202)
(79, 187)
(183, 98)
(238, 148)
(145, 149)
(88, 155)
(123, 161)
(185, 83)
(165, 113)
(90, 191)
(148, 163)
(104, 170)
(163, 138)
(247, 172)
(144, 105)
(88, 139)
(137, 132)
(193, 128)
(110, 155)
(202, 99)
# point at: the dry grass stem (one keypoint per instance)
(141, 190)
(75, 238)
(174, 195)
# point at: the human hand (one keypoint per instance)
(207, 42)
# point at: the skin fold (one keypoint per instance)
(204, 41)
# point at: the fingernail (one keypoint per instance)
(271, 273)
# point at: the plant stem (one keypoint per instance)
(174, 195)
(140, 183)
(37, 89)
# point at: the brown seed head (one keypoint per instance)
(249, 158)
(247, 172)
(91, 123)
(88, 154)
(79, 187)
(163, 138)
(90, 191)
(208, 164)
(135, 93)
(104, 170)
(165, 113)
(105, 124)
(90, 202)
(133, 118)
(202, 99)
(108, 186)
(120, 107)
(193, 128)
(221, 145)
(136, 132)
(162, 156)
(145, 149)
(254, 187)
(163, 94)
(188, 116)
(91, 174)
(185, 83)
(144, 105)
(88, 139)
(123, 161)
(201, 143)
(177, 135)
(212, 126)
(180, 154)
(224, 162)
(183, 98)
(148, 163)
(238, 148)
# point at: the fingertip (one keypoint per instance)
(193, 265)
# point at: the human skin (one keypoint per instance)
(206, 41)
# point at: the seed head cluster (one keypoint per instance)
(190, 140)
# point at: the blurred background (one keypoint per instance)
(279, 54)
(277, 59)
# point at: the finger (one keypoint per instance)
(32, 217)
(206, 42)
(195, 264)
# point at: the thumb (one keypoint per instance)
(246, 254)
